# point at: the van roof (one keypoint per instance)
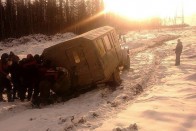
(90, 35)
(93, 34)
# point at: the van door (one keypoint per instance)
(94, 62)
(79, 63)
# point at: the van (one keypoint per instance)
(93, 57)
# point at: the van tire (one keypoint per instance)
(115, 78)
(127, 63)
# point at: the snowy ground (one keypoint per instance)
(32, 44)
(168, 105)
(154, 95)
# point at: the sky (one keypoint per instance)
(141, 9)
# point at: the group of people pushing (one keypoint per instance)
(20, 78)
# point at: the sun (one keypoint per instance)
(142, 9)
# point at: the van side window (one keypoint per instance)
(107, 42)
(114, 38)
(76, 57)
(100, 47)
(111, 40)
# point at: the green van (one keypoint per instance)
(93, 57)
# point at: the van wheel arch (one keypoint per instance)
(127, 63)
(115, 79)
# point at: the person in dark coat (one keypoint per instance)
(36, 92)
(38, 59)
(47, 76)
(15, 74)
(30, 72)
(178, 52)
(23, 76)
(5, 79)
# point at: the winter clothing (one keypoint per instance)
(178, 52)
(30, 74)
(5, 80)
(15, 72)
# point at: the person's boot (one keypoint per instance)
(9, 97)
(22, 96)
(14, 96)
(1, 98)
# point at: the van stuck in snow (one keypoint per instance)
(90, 58)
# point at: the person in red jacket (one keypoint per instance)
(5, 79)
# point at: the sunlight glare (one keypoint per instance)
(141, 9)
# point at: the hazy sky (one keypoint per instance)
(142, 8)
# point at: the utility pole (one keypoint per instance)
(180, 14)
(177, 18)
(182, 5)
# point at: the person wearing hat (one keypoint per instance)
(178, 52)
(15, 72)
(5, 79)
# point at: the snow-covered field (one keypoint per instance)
(169, 103)
(154, 95)
(32, 44)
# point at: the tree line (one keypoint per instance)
(23, 17)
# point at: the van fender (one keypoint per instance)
(125, 58)
(115, 79)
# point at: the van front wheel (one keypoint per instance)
(115, 78)
(127, 63)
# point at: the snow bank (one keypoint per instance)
(32, 44)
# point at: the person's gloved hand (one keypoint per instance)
(8, 77)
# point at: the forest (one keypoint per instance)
(24, 17)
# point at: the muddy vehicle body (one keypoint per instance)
(90, 58)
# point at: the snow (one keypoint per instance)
(32, 44)
(154, 95)
(170, 103)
